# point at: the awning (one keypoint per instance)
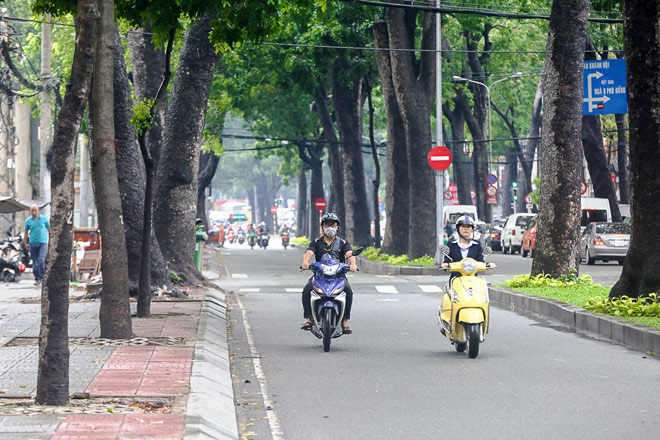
(10, 205)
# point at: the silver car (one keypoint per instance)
(605, 241)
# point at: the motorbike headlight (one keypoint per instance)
(469, 266)
(318, 289)
(338, 291)
(329, 269)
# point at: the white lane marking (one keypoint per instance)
(293, 289)
(239, 275)
(387, 299)
(250, 290)
(386, 289)
(384, 276)
(275, 429)
(430, 288)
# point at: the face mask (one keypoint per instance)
(330, 232)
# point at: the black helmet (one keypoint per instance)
(330, 217)
(465, 220)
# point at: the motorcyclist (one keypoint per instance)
(284, 228)
(464, 246)
(250, 228)
(342, 251)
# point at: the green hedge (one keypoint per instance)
(373, 254)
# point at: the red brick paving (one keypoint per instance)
(113, 426)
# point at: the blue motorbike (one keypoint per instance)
(328, 298)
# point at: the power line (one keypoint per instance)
(471, 11)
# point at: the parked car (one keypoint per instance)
(494, 238)
(605, 241)
(514, 227)
(529, 239)
(481, 232)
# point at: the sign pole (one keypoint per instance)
(439, 175)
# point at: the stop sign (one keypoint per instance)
(273, 210)
(439, 158)
(320, 204)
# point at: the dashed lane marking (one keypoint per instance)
(430, 288)
(387, 299)
(386, 289)
(293, 289)
(250, 290)
(239, 275)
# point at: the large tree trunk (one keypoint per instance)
(397, 189)
(114, 312)
(130, 168)
(301, 204)
(347, 101)
(53, 376)
(526, 156)
(641, 41)
(460, 164)
(413, 84)
(622, 159)
(376, 179)
(337, 204)
(175, 198)
(594, 152)
(561, 156)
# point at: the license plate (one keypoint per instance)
(620, 242)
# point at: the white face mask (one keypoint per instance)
(330, 231)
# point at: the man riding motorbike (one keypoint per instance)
(328, 244)
(464, 246)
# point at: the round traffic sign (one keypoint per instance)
(491, 190)
(584, 188)
(320, 204)
(273, 209)
(491, 179)
(439, 158)
(528, 199)
(600, 106)
(448, 195)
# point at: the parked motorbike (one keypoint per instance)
(252, 239)
(11, 264)
(241, 236)
(285, 239)
(463, 313)
(328, 298)
(263, 240)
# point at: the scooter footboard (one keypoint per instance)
(471, 316)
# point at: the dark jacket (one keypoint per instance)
(474, 251)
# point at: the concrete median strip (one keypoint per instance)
(211, 413)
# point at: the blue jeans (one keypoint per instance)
(38, 253)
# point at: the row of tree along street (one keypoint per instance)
(156, 144)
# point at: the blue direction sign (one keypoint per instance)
(604, 87)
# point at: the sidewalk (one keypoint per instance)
(171, 381)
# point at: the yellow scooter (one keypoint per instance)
(463, 314)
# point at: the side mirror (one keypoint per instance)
(487, 251)
(357, 251)
(444, 250)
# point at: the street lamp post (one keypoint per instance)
(488, 88)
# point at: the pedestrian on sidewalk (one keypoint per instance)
(36, 228)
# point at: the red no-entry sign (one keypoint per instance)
(439, 158)
(320, 204)
(273, 210)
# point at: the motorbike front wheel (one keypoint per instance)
(474, 338)
(326, 326)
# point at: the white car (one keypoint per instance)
(513, 231)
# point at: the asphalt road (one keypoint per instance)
(396, 377)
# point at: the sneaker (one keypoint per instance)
(37, 282)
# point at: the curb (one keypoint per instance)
(389, 269)
(210, 413)
(580, 320)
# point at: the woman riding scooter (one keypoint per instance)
(464, 246)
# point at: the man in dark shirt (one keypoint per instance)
(341, 251)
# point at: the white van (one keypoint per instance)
(453, 212)
(594, 210)
(513, 231)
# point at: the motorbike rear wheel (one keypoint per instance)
(326, 326)
(474, 338)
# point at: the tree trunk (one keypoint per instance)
(114, 313)
(53, 376)
(376, 180)
(622, 159)
(561, 156)
(460, 163)
(413, 84)
(641, 42)
(397, 188)
(594, 152)
(510, 175)
(347, 101)
(334, 154)
(175, 198)
(526, 156)
(301, 204)
(130, 168)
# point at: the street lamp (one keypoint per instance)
(490, 137)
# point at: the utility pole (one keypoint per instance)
(46, 116)
(84, 183)
(439, 175)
